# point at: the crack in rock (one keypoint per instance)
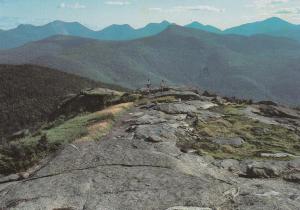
(16, 202)
(89, 168)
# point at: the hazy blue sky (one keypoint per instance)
(100, 13)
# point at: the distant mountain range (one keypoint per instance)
(272, 26)
(126, 32)
(261, 67)
(28, 33)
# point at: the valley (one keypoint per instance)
(259, 67)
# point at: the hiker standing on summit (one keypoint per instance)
(148, 85)
(162, 85)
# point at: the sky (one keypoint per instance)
(98, 14)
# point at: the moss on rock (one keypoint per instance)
(259, 137)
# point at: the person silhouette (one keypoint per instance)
(148, 85)
(162, 85)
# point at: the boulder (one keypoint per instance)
(236, 142)
(148, 119)
(177, 108)
(264, 169)
(87, 101)
(157, 133)
(294, 164)
(230, 165)
(238, 100)
(276, 155)
(294, 177)
(219, 100)
(278, 111)
(267, 103)
(205, 115)
(201, 104)
(183, 95)
(253, 113)
(153, 90)
(208, 94)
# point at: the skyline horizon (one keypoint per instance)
(97, 14)
(143, 26)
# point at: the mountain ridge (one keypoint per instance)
(228, 64)
(29, 93)
(27, 33)
(200, 26)
(272, 26)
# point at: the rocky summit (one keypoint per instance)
(177, 149)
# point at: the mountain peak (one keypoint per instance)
(275, 20)
(194, 24)
(200, 26)
(120, 26)
(165, 22)
(23, 26)
(59, 22)
(273, 26)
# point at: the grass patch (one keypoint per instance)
(23, 153)
(231, 110)
(163, 99)
(259, 137)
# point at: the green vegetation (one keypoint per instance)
(259, 137)
(239, 66)
(30, 93)
(130, 97)
(23, 153)
(75, 128)
(163, 99)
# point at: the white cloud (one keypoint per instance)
(76, 5)
(267, 3)
(269, 8)
(158, 9)
(287, 11)
(277, 1)
(205, 8)
(117, 3)
(199, 8)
